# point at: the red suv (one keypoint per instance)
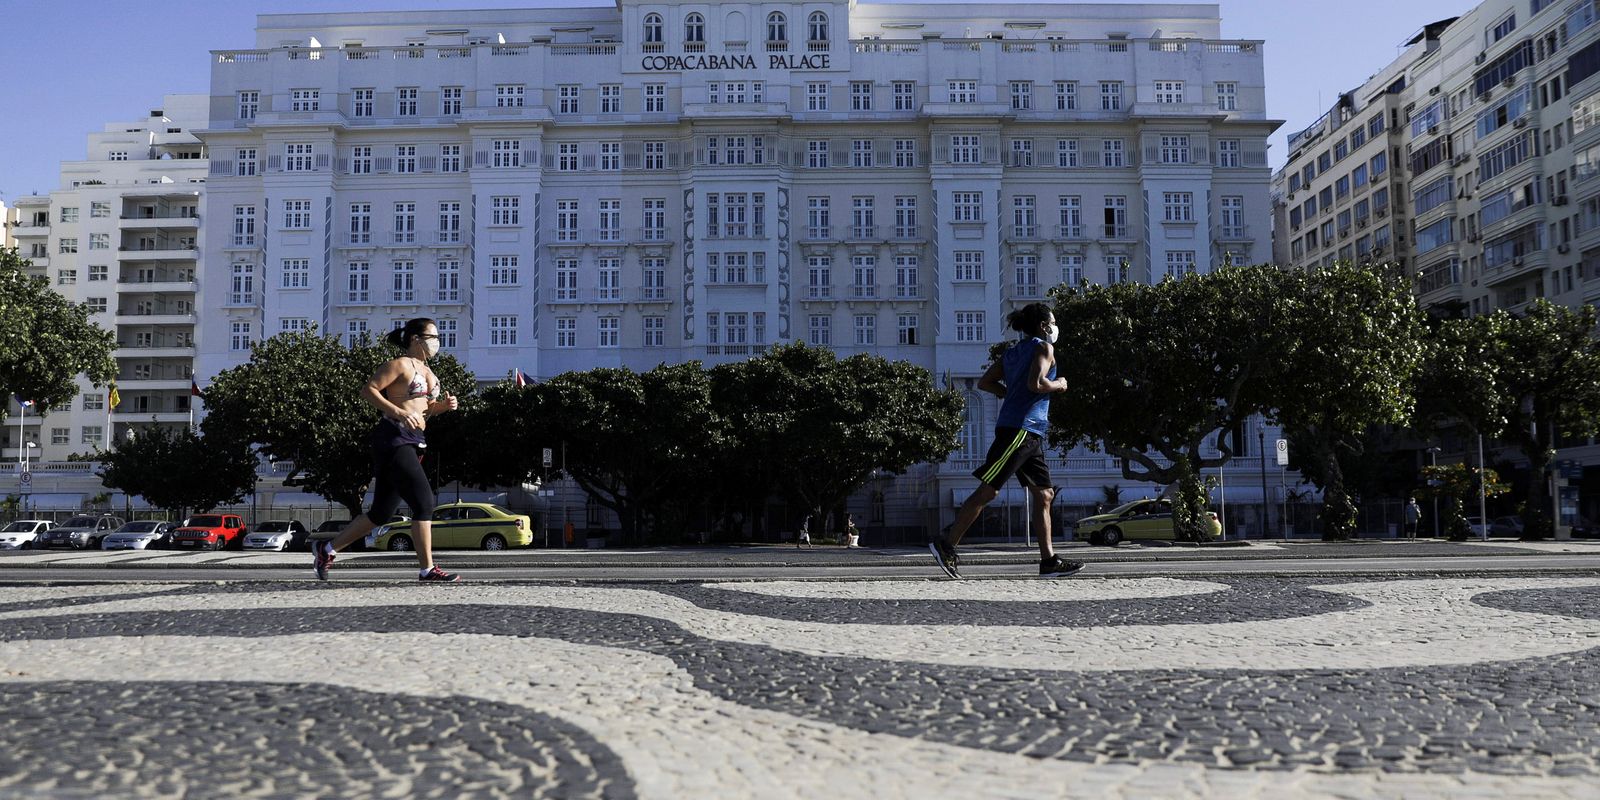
(210, 531)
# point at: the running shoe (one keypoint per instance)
(1058, 567)
(946, 555)
(437, 575)
(322, 558)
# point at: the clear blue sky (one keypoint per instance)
(71, 66)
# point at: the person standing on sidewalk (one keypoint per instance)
(406, 393)
(1024, 377)
(1413, 516)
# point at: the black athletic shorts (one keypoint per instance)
(1015, 452)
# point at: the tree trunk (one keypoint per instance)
(1338, 513)
(1189, 506)
(1536, 521)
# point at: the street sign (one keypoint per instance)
(27, 477)
(549, 457)
(1283, 452)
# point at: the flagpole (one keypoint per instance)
(22, 421)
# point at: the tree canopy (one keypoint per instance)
(178, 470)
(46, 342)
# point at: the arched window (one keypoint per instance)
(694, 28)
(777, 27)
(817, 27)
(652, 29)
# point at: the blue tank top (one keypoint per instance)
(1024, 408)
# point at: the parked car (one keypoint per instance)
(281, 535)
(1506, 526)
(210, 531)
(1585, 528)
(476, 525)
(82, 532)
(1140, 519)
(142, 534)
(331, 528)
(23, 533)
(1475, 524)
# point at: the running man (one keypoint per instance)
(406, 393)
(1024, 377)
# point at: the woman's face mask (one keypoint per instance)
(1051, 332)
(432, 346)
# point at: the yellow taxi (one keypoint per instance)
(1140, 519)
(483, 526)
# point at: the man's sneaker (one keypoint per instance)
(322, 558)
(946, 556)
(437, 575)
(1058, 567)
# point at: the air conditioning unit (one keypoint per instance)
(1558, 200)
(1509, 82)
(1433, 91)
(1381, 213)
(1483, 96)
(1519, 122)
(1472, 237)
(1516, 261)
(1481, 58)
(1378, 251)
(1361, 223)
(1432, 129)
(1563, 248)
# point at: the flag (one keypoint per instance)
(521, 379)
(194, 388)
(21, 402)
(116, 397)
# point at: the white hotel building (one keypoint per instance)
(654, 182)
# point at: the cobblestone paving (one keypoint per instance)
(1232, 687)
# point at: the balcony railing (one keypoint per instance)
(1069, 231)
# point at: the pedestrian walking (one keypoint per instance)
(804, 537)
(1024, 377)
(1413, 516)
(406, 392)
(852, 535)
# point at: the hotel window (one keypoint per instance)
(1110, 95)
(655, 98)
(566, 279)
(861, 95)
(566, 331)
(864, 276)
(508, 95)
(67, 244)
(360, 223)
(1069, 215)
(653, 31)
(905, 217)
(1228, 153)
(361, 102)
(1233, 215)
(1169, 92)
(817, 218)
(1021, 152)
(608, 330)
(1117, 269)
(507, 153)
(817, 28)
(969, 265)
(450, 101)
(405, 223)
(969, 326)
(404, 282)
(503, 271)
(249, 104)
(1113, 153)
(906, 279)
(502, 329)
(905, 152)
(447, 333)
(1180, 263)
(1175, 149)
(566, 220)
(358, 285)
(361, 159)
(1116, 217)
(1025, 269)
(405, 101)
(1067, 153)
(611, 156)
(449, 281)
(1071, 269)
(567, 99)
(655, 155)
(655, 278)
(1066, 95)
(450, 222)
(99, 241)
(296, 273)
(866, 330)
(610, 98)
(505, 210)
(694, 32)
(1021, 96)
(67, 277)
(1024, 217)
(817, 153)
(905, 96)
(963, 91)
(450, 158)
(821, 329)
(297, 215)
(103, 210)
(240, 339)
(98, 272)
(1227, 96)
(655, 330)
(777, 30)
(816, 96)
(655, 220)
(819, 276)
(610, 220)
(1177, 206)
(297, 157)
(861, 152)
(304, 100)
(964, 149)
(118, 155)
(968, 206)
(405, 158)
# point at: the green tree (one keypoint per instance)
(1548, 383)
(46, 342)
(1456, 484)
(297, 400)
(1352, 342)
(178, 470)
(1155, 370)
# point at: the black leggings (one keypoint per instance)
(399, 476)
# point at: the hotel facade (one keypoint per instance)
(657, 182)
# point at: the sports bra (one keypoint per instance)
(419, 387)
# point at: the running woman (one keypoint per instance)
(406, 393)
(1024, 377)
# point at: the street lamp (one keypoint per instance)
(1433, 461)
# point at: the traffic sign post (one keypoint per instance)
(1283, 452)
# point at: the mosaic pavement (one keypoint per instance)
(1139, 687)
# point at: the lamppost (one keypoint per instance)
(1433, 461)
(27, 477)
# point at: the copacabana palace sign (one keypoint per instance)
(733, 61)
